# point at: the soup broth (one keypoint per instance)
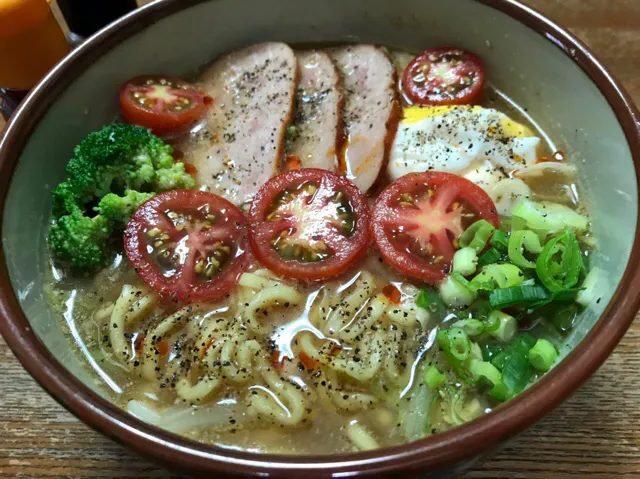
(307, 367)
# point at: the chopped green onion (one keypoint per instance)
(492, 323)
(490, 256)
(560, 262)
(481, 310)
(472, 327)
(465, 261)
(516, 370)
(460, 279)
(548, 218)
(465, 408)
(456, 294)
(502, 326)
(456, 347)
(589, 293)
(484, 370)
(433, 378)
(542, 355)
(495, 276)
(459, 343)
(500, 392)
(489, 350)
(430, 300)
(518, 295)
(519, 242)
(564, 296)
(476, 351)
(477, 235)
(500, 241)
(518, 224)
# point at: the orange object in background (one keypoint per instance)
(31, 42)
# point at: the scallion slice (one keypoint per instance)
(433, 378)
(489, 350)
(489, 257)
(477, 235)
(465, 261)
(495, 276)
(456, 347)
(542, 355)
(519, 242)
(430, 300)
(455, 292)
(472, 327)
(484, 370)
(517, 295)
(548, 218)
(594, 280)
(459, 343)
(500, 240)
(502, 326)
(560, 262)
(516, 369)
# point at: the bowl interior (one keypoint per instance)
(527, 67)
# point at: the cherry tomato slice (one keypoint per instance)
(166, 105)
(188, 245)
(417, 217)
(444, 76)
(309, 224)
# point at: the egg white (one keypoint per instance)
(481, 144)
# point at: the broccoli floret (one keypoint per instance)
(120, 208)
(118, 159)
(81, 241)
(65, 199)
(174, 178)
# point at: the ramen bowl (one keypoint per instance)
(536, 63)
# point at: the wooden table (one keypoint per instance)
(595, 435)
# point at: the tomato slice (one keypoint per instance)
(188, 245)
(309, 224)
(166, 105)
(416, 219)
(444, 76)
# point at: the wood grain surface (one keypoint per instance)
(595, 435)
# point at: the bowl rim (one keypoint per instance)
(430, 453)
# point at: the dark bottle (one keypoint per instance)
(9, 101)
(85, 17)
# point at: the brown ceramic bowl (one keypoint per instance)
(535, 62)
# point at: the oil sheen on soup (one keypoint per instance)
(359, 248)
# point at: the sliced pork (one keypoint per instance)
(317, 130)
(242, 143)
(370, 110)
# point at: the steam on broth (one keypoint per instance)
(314, 355)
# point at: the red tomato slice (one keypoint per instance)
(444, 76)
(309, 224)
(417, 217)
(188, 245)
(165, 105)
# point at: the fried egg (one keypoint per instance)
(481, 144)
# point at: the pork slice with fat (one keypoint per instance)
(317, 129)
(370, 111)
(241, 144)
